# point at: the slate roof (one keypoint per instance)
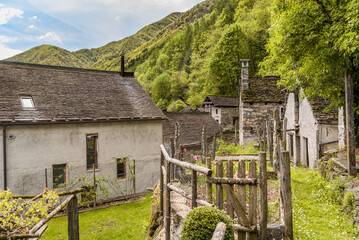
(63, 94)
(191, 125)
(264, 89)
(320, 112)
(261, 89)
(221, 101)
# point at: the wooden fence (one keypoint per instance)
(72, 216)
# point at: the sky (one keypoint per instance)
(77, 24)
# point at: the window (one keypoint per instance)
(91, 151)
(291, 145)
(121, 167)
(58, 175)
(216, 110)
(27, 103)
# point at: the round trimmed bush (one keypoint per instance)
(201, 222)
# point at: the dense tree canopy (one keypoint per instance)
(312, 44)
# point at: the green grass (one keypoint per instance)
(128, 221)
(315, 214)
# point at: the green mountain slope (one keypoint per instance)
(100, 58)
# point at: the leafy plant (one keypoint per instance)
(201, 222)
(18, 216)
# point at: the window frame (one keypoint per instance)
(95, 135)
(125, 159)
(64, 166)
(23, 98)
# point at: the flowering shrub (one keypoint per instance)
(18, 216)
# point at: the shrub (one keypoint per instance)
(348, 200)
(201, 222)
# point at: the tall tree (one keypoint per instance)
(313, 45)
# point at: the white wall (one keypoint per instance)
(216, 116)
(38, 147)
(308, 129)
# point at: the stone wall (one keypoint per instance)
(228, 118)
(256, 114)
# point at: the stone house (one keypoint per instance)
(311, 129)
(258, 97)
(223, 109)
(57, 123)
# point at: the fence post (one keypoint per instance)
(219, 188)
(208, 185)
(230, 211)
(241, 194)
(194, 189)
(94, 185)
(219, 232)
(287, 195)
(270, 143)
(134, 178)
(214, 147)
(276, 142)
(177, 150)
(161, 184)
(252, 213)
(168, 203)
(284, 136)
(173, 156)
(73, 219)
(263, 195)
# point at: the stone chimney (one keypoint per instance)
(245, 74)
(122, 66)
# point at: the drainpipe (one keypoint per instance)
(4, 155)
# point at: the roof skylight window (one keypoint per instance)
(27, 103)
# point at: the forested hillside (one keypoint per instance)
(204, 58)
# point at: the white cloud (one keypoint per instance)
(8, 13)
(32, 26)
(6, 39)
(6, 52)
(50, 36)
(33, 18)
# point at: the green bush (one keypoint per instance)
(348, 200)
(201, 222)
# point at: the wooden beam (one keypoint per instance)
(238, 208)
(237, 181)
(73, 229)
(219, 232)
(195, 167)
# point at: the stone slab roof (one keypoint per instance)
(321, 114)
(264, 89)
(63, 94)
(221, 101)
(191, 125)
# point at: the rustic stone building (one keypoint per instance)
(311, 128)
(223, 109)
(62, 121)
(258, 97)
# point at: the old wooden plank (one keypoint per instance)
(195, 167)
(270, 142)
(287, 195)
(237, 181)
(208, 185)
(73, 229)
(241, 195)
(252, 211)
(236, 205)
(230, 175)
(263, 204)
(162, 174)
(219, 188)
(194, 188)
(219, 232)
(168, 203)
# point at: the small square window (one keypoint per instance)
(91, 151)
(59, 175)
(121, 167)
(27, 103)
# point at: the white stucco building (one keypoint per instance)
(57, 123)
(311, 129)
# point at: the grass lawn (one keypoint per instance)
(315, 215)
(128, 221)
